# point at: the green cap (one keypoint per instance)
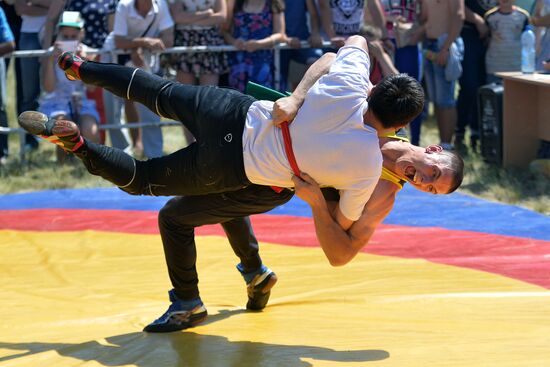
(71, 19)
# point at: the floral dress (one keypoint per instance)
(252, 66)
(199, 63)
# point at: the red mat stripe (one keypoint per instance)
(520, 258)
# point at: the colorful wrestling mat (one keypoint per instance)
(446, 281)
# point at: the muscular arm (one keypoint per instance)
(285, 109)
(341, 246)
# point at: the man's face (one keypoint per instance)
(427, 171)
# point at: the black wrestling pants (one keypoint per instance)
(181, 215)
(215, 116)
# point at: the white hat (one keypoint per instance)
(71, 19)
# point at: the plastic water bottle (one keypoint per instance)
(528, 51)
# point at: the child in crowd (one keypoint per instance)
(506, 23)
(254, 27)
(64, 99)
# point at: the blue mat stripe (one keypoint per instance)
(412, 208)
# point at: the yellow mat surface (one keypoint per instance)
(82, 298)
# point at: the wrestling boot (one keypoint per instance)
(180, 315)
(70, 63)
(63, 133)
(258, 286)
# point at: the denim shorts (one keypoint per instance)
(440, 91)
(53, 106)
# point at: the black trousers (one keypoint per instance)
(215, 116)
(210, 172)
(181, 215)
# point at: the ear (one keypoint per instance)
(434, 149)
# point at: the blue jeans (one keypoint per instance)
(440, 91)
(473, 77)
(30, 78)
(409, 60)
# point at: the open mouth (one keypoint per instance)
(410, 173)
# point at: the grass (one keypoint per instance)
(40, 171)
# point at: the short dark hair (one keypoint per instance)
(456, 164)
(397, 100)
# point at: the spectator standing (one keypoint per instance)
(33, 16)
(408, 56)
(443, 22)
(64, 99)
(541, 19)
(254, 27)
(143, 27)
(474, 34)
(341, 19)
(7, 45)
(198, 24)
(506, 23)
(98, 16)
(297, 13)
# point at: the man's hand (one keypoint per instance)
(315, 40)
(285, 109)
(442, 57)
(251, 45)
(294, 42)
(153, 44)
(308, 190)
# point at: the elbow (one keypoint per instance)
(357, 39)
(340, 260)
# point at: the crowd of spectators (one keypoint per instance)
(439, 42)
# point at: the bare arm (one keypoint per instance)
(167, 37)
(285, 109)
(539, 20)
(326, 18)
(315, 39)
(36, 8)
(209, 17)
(51, 20)
(384, 60)
(341, 246)
(477, 20)
(154, 44)
(6, 48)
(455, 26)
(378, 17)
(48, 73)
(277, 36)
